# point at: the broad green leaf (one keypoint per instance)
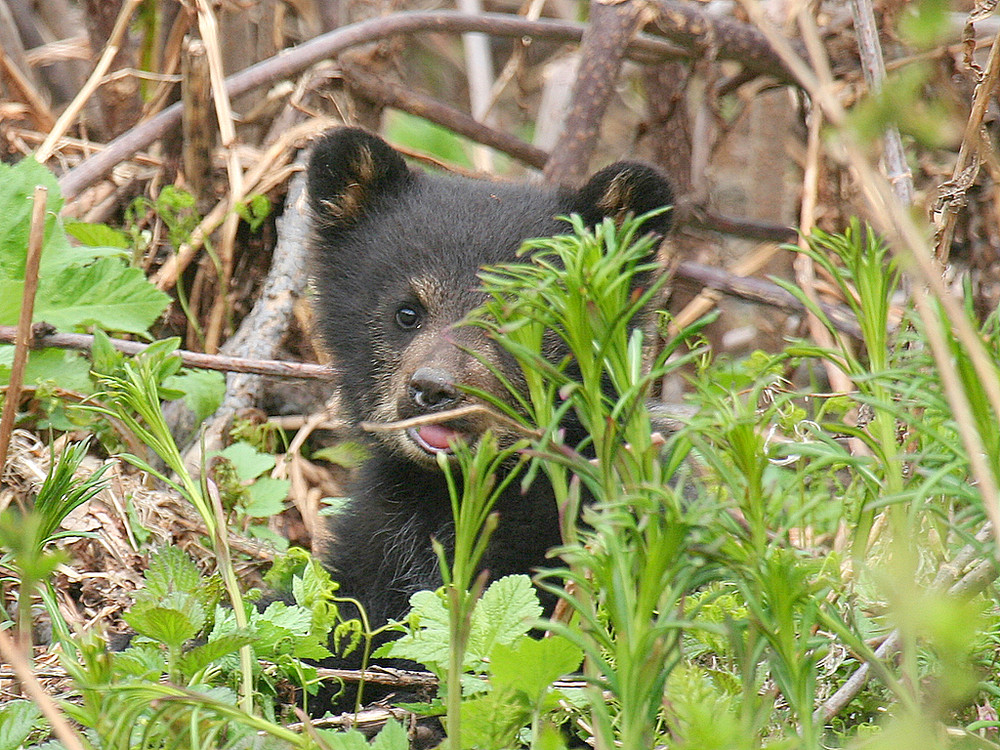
(17, 187)
(392, 737)
(105, 293)
(507, 610)
(428, 643)
(17, 719)
(531, 665)
(491, 721)
(352, 739)
(201, 656)
(247, 460)
(165, 624)
(98, 235)
(267, 497)
(63, 368)
(203, 390)
(144, 660)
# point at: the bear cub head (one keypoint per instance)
(395, 259)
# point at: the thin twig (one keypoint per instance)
(762, 292)
(873, 65)
(33, 688)
(400, 97)
(951, 193)
(209, 28)
(969, 584)
(290, 62)
(69, 115)
(452, 414)
(22, 336)
(271, 367)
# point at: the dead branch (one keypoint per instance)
(601, 54)
(689, 26)
(84, 342)
(390, 94)
(762, 292)
(293, 61)
(262, 331)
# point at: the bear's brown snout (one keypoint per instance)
(433, 389)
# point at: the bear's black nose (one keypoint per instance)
(433, 389)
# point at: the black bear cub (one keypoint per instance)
(395, 254)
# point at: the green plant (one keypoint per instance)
(134, 398)
(80, 285)
(27, 535)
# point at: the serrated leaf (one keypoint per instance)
(392, 737)
(98, 235)
(352, 739)
(506, 611)
(145, 661)
(267, 497)
(491, 721)
(532, 665)
(203, 390)
(164, 624)
(247, 460)
(428, 642)
(61, 367)
(106, 293)
(201, 656)
(170, 569)
(17, 718)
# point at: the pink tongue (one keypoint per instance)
(437, 436)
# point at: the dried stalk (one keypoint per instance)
(227, 130)
(952, 193)
(873, 65)
(22, 339)
(278, 152)
(71, 112)
(29, 683)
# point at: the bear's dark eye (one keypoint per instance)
(407, 317)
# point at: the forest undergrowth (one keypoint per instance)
(801, 555)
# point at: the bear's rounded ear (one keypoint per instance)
(349, 170)
(626, 188)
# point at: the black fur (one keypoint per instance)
(388, 242)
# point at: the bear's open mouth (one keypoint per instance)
(435, 438)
